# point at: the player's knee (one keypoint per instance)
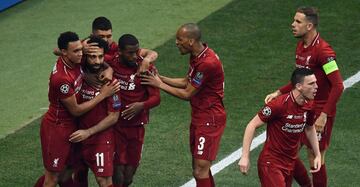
(127, 181)
(103, 181)
(201, 169)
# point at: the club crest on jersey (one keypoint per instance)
(64, 88)
(55, 162)
(198, 78)
(266, 111)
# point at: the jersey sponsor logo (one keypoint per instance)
(64, 88)
(266, 111)
(293, 128)
(198, 78)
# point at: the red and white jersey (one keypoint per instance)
(97, 114)
(286, 121)
(320, 58)
(112, 52)
(131, 90)
(64, 82)
(206, 74)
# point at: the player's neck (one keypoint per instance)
(309, 38)
(197, 49)
(299, 99)
(67, 62)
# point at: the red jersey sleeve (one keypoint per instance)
(202, 74)
(270, 111)
(327, 59)
(64, 88)
(154, 94)
(114, 103)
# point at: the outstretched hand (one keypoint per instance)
(151, 79)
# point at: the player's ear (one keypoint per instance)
(298, 86)
(63, 52)
(309, 26)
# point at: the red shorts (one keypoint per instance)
(324, 137)
(271, 176)
(55, 145)
(205, 141)
(128, 145)
(99, 158)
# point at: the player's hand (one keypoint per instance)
(79, 135)
(144, 67)
(106, 75)
(317, 164)
(151, 79)
(244, 165)
(320, 122)
(89, 47)
(272, 96)
(132, 110)
(110, 88)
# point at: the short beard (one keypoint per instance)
(89, 68)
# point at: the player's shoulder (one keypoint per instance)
(324, 46)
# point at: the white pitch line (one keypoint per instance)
(216, 168)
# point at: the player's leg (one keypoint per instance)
(271, 176)
(300, 174)
(40, 181)
(118, 175)
(104, 181)
(201, 171)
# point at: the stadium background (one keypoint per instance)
(252, 38)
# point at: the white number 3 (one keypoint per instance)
(201, 143)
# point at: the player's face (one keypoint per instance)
(129, 54)
(309, 87)
(300, 25)
(95, 60)
(104, 34)
(182, 42)
(73, 52)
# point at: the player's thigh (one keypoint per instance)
(55, 145)
(205, 141)
(271, 176)
(100, 159)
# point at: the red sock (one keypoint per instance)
(40, 181)
(211, 179)
(320, 177)
(300, 174)
(111, 185)
(206, 182)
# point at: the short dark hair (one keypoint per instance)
(311, 14)
(193, 31)
(101, 43)
(299, 74)
(101, 23)
(127, 39)
(65, 38)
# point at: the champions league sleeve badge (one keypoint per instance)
(64, 88)
(266, 111)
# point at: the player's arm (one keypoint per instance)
(175, 82)
(78, 109)
(244, 162)
(182, 93)
(83, 134)
(311, 136)
(149, 57)
(284, 89)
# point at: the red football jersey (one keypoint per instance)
(64, 82)
(98, 113)
(286, 121)
(320, 58)
(112, 52)
(131, 90)
(206, 74)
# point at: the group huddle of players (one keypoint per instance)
(101, 92)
